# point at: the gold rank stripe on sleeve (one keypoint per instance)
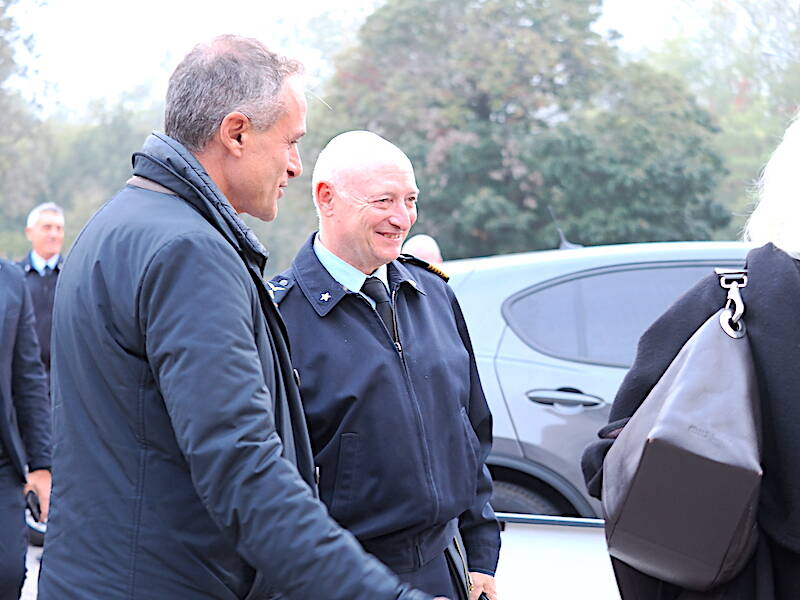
(410, 258)
(437, 271)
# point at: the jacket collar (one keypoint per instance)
(323, 292)
(168, 163)
(27, 264)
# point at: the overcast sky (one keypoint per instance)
(98, 49)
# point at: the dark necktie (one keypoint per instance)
(374, 288)
(47, 271)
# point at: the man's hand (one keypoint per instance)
(482, 583)
(39, 481)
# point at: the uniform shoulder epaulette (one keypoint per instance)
(410, 258)
(278, 286)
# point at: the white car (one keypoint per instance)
(554, 333)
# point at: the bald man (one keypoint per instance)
(399, 425)
(425, 247)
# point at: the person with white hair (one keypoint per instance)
(45, 231)
(399, 424)
(772, 302)
(423, 246)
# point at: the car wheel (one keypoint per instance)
(513, 498)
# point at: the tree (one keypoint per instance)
(21, 161)
(475, 91)
(743, 65)
(639, 169)
(88, 162)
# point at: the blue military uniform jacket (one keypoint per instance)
(400, 432)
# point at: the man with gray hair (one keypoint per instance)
(182, 464)
(45, 231)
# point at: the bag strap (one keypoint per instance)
(731, 317)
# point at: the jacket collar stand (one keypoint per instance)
(168, 163)
(323, 292)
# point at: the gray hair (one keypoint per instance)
(37, 211)
(229, 74)
(776, 218)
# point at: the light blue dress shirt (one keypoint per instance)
(345, 273)
(38, 263)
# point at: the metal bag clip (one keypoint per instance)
(731, 317)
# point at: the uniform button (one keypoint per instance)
(284, 281)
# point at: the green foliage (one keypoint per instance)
(89, 162)
(638, 170)
(21, 162)
(744, 67)
(507, 107)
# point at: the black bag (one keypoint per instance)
(681, 481)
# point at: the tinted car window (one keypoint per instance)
(599, 317)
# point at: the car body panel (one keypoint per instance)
(554, 333)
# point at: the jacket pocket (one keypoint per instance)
(260, 590)
(472, 439)
(346, 477)
(470, 445)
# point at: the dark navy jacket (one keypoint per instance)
(400, 438)
(178, 428)
(42, 291)
(24, 408)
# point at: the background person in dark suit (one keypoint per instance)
(45, 231)
(24, 426)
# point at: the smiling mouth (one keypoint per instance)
(392, 236)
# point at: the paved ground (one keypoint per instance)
(29, 589)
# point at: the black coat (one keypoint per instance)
(179, 432)
(772, 301)
(43, 290)
(400, 436)
(25, 422)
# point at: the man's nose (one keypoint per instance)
(295, 168)
(402, 216)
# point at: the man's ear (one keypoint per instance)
(233, 132)
(28, 232)
(324, 196)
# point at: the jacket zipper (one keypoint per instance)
(399, 347)
(397, 343)
(467, 578)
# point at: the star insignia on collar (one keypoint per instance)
(325, 297)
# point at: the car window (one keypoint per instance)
(599, 317)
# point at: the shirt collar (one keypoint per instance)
(39, 264)
(323, 290)
(343, 272)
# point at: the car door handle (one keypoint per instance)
(553, 397)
